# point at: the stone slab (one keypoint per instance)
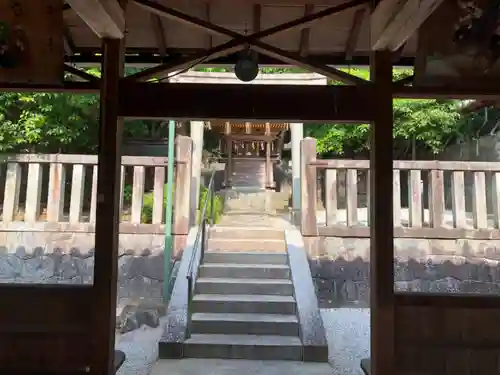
(315, 346)
(177, 316)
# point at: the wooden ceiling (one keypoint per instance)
(341, 38)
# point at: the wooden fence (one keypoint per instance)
(67, 199)
(437, 218)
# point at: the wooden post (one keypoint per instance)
(107, 210)
(269, 182)
(381, 220)
(308, 178)
(182, 205)
(229, 162)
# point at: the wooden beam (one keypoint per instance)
(208, 18)
(248, 102)
(66, 87)
(382, 301)
(108, 207)
(353, 38)
(105, 17)
(491, 92)
(240, 40)
(305, 32)
(69, 45)
(81, 74)
(393, 22)
(159, 31)
(252, 137)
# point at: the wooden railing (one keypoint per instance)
(429, 198)
(59, 191)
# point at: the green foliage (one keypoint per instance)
(429, 124)
(218, 205)
(148, 202)
(68, 123)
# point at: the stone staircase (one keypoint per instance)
(249, 172)
(244, 305)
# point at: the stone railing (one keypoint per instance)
(48, 218)
(441, 244)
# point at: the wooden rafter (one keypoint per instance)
(69, 44)
(208, 18)
(256, 18)
(353, 38)
(105, 17)
(393, 22)
(80, 73)
(254, 40)
(405, 81)
(159, 32)
(305, 32)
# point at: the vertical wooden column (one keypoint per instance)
(229, 161)
(229, 166)
(107, 210)
(269, 182)
(381, 219)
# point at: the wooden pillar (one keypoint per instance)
(197, 130)
(269, 182)
(107, 210)
(184, 215)
(381, 219)
(229, 165)
(229, 161)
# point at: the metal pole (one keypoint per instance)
(167, 252)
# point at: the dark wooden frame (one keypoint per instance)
(87, 314)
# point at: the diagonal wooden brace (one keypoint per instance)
(239, 41)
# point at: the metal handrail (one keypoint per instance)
(201, 242)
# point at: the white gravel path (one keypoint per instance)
(348, 333)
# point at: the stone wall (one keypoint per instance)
(68, 258)
(340, 267)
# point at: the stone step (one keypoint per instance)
(259, 347)
(242, 257)
(229, 244)
(244, 303)
(249, 271)
(281, 287)
(245, 324)
(245, 233)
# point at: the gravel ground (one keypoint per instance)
(348, 333)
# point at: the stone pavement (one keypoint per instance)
(252, 220)
(347, 331)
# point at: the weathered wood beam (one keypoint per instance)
(353, 38)
(405, 81)
(256, 18)
(239, 40)
(108, 203)
(69, 44)
(393, 22)
(105, 17)
(80, 73)
(66, 87)
(159, 31)
(293, 58)
(208, 18)
(491, 92)
(248, 102)
(305, 32)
